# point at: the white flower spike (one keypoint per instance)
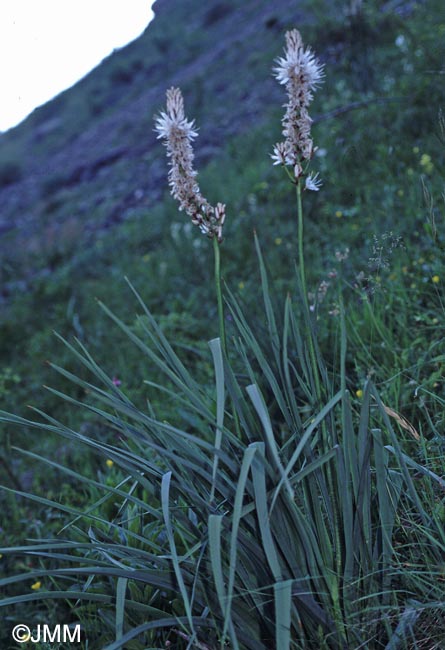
(301, 73)
(178, 133)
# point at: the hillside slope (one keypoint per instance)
(83, 190)
(86, 160)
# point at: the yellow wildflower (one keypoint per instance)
(36, 586)
(435, 279)
(109, 462)
(426, 163)
(359, 393)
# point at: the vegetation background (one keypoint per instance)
(84, 203)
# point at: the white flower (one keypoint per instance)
(173, 122)
(313, 183)
(299, 64)
(279, 154)
(298, 170)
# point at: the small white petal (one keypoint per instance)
(279, 154)
(313, 183)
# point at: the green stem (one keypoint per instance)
(301, 248)
(303, 283)
(336, 523)
(222, 327)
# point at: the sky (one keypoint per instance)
(48, 45)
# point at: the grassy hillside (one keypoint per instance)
(84, 204)
(85, 201)
(85, 207)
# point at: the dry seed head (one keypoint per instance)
(178, 134)
(301, 73)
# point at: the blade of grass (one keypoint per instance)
(165, 497)
(120, 606)
(304, 440)
(283, 605)
(263, 414)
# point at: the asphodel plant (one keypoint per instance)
(278, 538)
(301, 73)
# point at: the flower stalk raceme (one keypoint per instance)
(301, 73)
(179, 133)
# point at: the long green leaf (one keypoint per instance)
(236, 519)
(259, 484)
(165, 499)
(283, 606)
(271, 322)
(304, 441)
(263, 414)
(214, 531)
(120, 606)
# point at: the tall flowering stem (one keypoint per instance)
(222, 328)
(301, 264)
(178, 134)
(301, 73)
